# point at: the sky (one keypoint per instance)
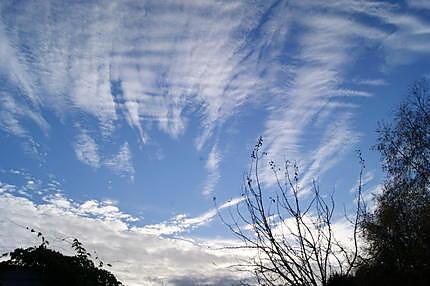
(121, 120)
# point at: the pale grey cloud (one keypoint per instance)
(372, 82)
(162, 254)
(421, 4)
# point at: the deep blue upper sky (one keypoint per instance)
(139, 112)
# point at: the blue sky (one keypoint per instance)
(120, 120)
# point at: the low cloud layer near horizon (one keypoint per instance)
(139, 255)
(162, 254)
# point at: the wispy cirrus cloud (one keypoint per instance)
(88, 152)
(337, 140)
(316, 90)
(363, 182)
(14, 112)
(319, 73)
(12, 70)
(165, 65)
(164, 62)
(422, 4)
(212, 167)
(409, 40)
(371, 82)
(122, 163)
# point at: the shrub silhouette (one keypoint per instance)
(54, 268)
(341, 280)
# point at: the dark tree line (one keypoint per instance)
(293, 238)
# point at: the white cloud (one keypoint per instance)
(351, 93)
(138, 258)
(87, 151)
(212, 167)
(409, 40)
(155, 66)
(327, 45)
(336, 141)
(14, 112)
(341, 227)
(164, 61)
(182, 223)
(12, 67)
(162, 64)
(105, 229)
(370, 195)
(121, 163)
(324, 52)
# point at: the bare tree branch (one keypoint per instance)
(290, 237)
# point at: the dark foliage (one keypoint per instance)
(55, 268)
(404, 144)
(341, 280)
(398, 231)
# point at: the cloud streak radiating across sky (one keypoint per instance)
(129, 116)
(165, 59)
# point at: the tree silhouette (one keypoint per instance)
(398, 231)
(404, 144)
(291, 235)
(54, 268)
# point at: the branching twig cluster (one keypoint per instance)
(290, 235)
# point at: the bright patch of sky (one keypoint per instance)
(127, 117)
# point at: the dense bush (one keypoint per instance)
(56, 269)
